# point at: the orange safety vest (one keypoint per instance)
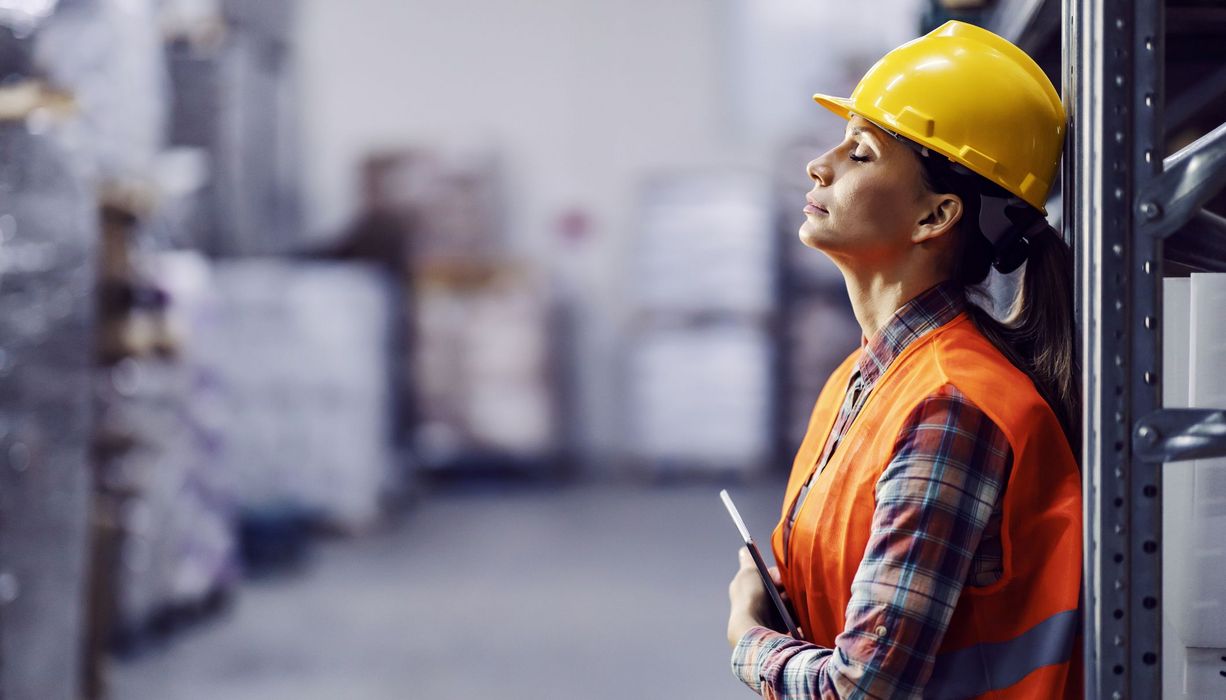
(1016, 638)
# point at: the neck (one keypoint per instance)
(876, 294)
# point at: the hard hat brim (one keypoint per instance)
(839, 105)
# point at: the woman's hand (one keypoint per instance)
(750, 603)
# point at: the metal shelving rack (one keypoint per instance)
(1133, 213)
(1126, 198)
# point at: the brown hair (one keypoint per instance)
(1038, 334)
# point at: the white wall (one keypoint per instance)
(581, 96)
(783, 51)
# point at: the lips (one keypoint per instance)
(812, 207)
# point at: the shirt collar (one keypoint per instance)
(931, 309)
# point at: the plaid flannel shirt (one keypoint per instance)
(936, 529)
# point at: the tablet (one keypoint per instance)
(784, 616)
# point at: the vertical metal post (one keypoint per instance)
(1112, 74)
(1147, 150)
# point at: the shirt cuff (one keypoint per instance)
(752, 650)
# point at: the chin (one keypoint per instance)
(812, 236)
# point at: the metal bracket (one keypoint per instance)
(1175, 434)
(1189, 178)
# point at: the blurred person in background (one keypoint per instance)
(930, 538)
(394, 195)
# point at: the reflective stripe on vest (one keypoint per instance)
(982, 668)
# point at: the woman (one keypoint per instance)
(930, 539)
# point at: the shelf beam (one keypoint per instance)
(1189, 179)
(1176, 434)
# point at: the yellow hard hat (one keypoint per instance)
(973, 97)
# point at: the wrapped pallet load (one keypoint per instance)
(48, 240)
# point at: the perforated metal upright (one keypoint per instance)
(1123, 198)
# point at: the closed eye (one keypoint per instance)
(858, 159)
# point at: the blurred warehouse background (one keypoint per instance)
(399, 348)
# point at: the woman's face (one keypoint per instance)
(868, 197)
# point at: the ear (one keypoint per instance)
(943, 211)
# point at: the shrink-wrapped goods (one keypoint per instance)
(302, 358)
(48, 237)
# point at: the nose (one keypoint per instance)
(819, 171)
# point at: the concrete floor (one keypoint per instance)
(588, 591)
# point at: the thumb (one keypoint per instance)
(775, 575)
(743, 556)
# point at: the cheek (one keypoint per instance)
(874, 205)
(872, 212)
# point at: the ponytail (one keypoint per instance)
(1038, 333)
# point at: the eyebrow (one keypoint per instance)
(860, 131)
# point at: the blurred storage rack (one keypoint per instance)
(700, 360)
(164, 548)
(233, 106)
(241, 403)
(134, 133)
(485, 370)
(306, 400)
(484, 352)
(48, 248)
